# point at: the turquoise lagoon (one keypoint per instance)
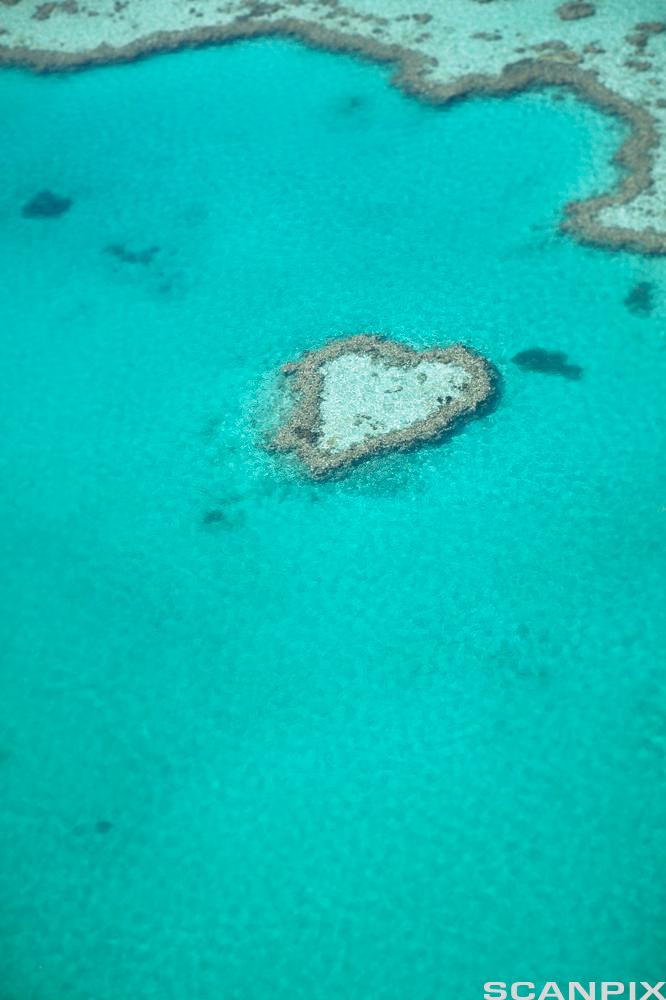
(387, 737)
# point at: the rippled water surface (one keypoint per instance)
(263, 739)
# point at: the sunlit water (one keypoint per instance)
(264, 739)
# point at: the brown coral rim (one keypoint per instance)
(635, 154)
(301, 432)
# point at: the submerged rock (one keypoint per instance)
(120, 252)
(640, 300)
(46, 205)
(537, 359)
(364, 395)
(352, 104)
(575, 10)
(214, 519)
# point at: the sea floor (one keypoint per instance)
(375, 739)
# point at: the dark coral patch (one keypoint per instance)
(46, 205)
(353, 103)
(575, 10)
(537, 359)
(640, 300)
(103, 826)
(121, 253)
(305, 434)
(214, 519)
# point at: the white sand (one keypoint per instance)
(363, 397)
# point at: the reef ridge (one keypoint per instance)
(608, 53)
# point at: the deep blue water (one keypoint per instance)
(387, 737)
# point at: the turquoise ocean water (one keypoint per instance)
(388, 737)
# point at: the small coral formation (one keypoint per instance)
(365, 395)
(575, 10)
(214, 518)
(121, 253)
(537, 359)
(651, 27)
(44, 11)
(640, 300)
(351, 104)
(46, 205)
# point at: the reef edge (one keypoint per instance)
(634, 156)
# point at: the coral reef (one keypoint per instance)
(613, 60)
(364, 395)
(640, 300)
(46, 205)
(537, 359)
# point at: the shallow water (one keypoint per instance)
(387, 737)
